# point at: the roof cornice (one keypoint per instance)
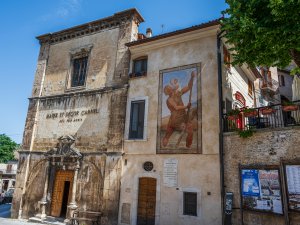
(174, 39)
(174, 33)
(92, 27)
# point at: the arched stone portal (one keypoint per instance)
(64, 162)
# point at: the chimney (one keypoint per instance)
(149, 33)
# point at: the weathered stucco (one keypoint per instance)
(265, 147)
(93, 114)
(198, 172)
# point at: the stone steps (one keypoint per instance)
(48, 220)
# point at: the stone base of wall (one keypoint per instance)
(264, 148)
(98, 185)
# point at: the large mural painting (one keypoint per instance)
(179, 110)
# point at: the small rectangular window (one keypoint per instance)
(190, 203)
(140, 67)
(79, 71)
(137, 115)
(250, 88)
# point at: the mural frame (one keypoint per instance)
(198, 149)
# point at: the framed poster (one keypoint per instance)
(179, 125)
(292, 180)
(261, 190)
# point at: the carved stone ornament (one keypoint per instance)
(65, 147)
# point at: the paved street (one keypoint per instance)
(5, 214)
(6, 221)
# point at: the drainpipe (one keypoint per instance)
(221, 141)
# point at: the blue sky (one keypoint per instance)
(22, 21)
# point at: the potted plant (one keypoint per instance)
(233, 114)
(249, 112)
(267, 110)
(289, 106)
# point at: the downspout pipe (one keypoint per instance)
(221, 141)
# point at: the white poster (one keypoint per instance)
(293, 186)
(170, 172)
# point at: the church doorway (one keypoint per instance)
(62, 192)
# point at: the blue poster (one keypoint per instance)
(250, 183)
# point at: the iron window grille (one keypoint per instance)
(190, 203)
(148, 166)
(79, 71)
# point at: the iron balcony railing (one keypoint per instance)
(5, 171)
(274, 116)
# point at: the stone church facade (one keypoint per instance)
(73, 139)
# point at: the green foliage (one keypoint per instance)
(248, 110)
(7, 147)
(287, 103)
(263, 32)
(245, 133)
(233, 112)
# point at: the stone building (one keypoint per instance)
(73, 137)
(8, 175)
(133, 126)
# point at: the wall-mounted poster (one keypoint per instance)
(261, 190)
(293, 186)
(179, 110)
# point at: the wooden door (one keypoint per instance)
(146, 201)
(58, 190)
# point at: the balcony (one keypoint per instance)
(270, 85)
(275, 116)
(7, 172)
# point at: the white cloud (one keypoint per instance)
(68, 7)
(65, 9)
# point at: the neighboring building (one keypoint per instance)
(73, 138)
(285, 85)
(262, 172)
(8, 173)
(268, 87)
(239, 89)
(171, 169)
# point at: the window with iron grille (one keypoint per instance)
(79, 71)
(140, 67)
(190, 203)
(137, 115)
